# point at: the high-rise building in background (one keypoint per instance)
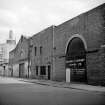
(5, 48)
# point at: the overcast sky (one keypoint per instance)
(28, 17)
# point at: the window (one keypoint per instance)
(30, 48)
(40, 50)
(36, 70)
(43, 70)
(35, 48)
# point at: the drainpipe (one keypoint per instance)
(28, 56)
(53, 68)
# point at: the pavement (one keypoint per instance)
(78, 86)
(15, 91)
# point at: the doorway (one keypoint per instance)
(49, 72)
(76, 60)
(21, 70)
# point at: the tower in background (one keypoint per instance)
(10, 40)
(5, 48)
(10, 34)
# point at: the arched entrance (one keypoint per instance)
(76, 60)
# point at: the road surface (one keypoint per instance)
(15, 92)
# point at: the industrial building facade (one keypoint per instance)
(18, 59)
(73, 51)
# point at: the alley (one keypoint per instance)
(15, 92)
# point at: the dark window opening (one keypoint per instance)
(35, 48)
(49, 72)
(76, 60)
(40, 50)
(36, 70)
(30, 48)
(43, 70)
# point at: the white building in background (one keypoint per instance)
(5, 48)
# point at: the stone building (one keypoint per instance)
(73, 51)
(18, 59)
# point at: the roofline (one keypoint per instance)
(86, 12)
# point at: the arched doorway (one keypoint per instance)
(76, 60)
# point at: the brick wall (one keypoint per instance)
(42, 39)
(96, 67)
(90, 26)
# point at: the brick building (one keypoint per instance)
(73, 51)
(18, 59)
(41, 54)
(79, 45)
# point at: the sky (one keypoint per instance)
(27, 17)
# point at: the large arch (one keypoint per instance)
(76, 36)
(76, 58)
